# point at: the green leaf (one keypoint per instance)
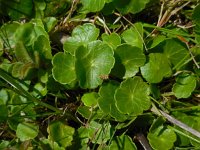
(50, 23)
(177, 53)
(22, 31)
(3, 97)
(4, 113)
(184, 86)
(129, 94)
(99, 133)
(90, 99)
(57, 8)
(26, 131)
(61, 133)
(161, 137)
(196, 15)
(123, 142)
(81, 35)
(92, 62)
(113, 39)
(128, 60)
(21, 53)
(134, 35)
(29, 32)
(4, 144)
(1, 46)
(156, 41)
(156, 68)
(93, 5)
(20, 9)
(40, 6)
(192, 120)
(6, 34)
(132, 6)
(64, 68)
(106, 100)
(42, 46)
(25, 64)
(50, 145)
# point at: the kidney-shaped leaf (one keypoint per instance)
(63, 68)
(184, 86)
(106, 100)
(128, 60)
(92, 62)
(132, 96)
(27, 131)
(81, 35)
(156, 68)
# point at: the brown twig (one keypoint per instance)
(143, 141)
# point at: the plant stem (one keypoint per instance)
(4, 75)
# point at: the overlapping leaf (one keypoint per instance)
(128, 60)
(92, 62)
(113, 39)
(134, 35)
(156, 68)
(130, 6)
(123, 142)
(184, 86)
(61, 133)
(177, 53)
(93, 5)
(106, 100)
(161, 134)
(90, 99)
(26, 131)
(81, 35)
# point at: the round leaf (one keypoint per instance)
(129, 94)
(90, 99)
(92, 62)
(184, 86)
(81, 35)
(63, 68)
(26, 131)
(128, 61)
(156, 68)
(106, 100)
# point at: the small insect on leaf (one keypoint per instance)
(104, 77)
